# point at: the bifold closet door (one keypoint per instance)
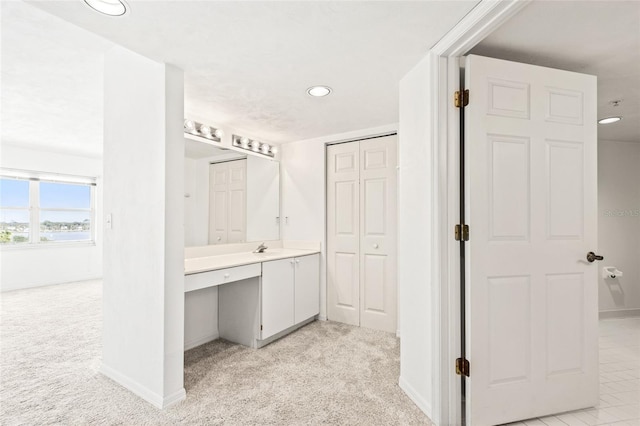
(218, 202)
(343, 233)
(378, 212)
(237, 219)
(228, 202)
(361, 233)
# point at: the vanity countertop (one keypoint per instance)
(196, 265)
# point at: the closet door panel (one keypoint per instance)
(343, 233)
(218, 202)
(378, 181)
(237, 213)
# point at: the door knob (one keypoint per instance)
(375, 246)
(219, 238)
(592, 257)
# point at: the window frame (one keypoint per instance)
(35, 178)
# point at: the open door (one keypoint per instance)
(532, 308)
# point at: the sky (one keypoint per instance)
(15, 193)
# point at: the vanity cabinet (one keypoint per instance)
(290, 293)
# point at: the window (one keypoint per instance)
(39, 209)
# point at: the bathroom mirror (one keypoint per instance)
(230, 197)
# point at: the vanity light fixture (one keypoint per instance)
(319, 91)
(609, 120)
(108, 7)
(254, 146)
(202, 130)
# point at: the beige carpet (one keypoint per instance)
(325, 373)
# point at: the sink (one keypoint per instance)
(268, 253)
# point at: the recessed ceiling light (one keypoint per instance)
(108, 7)
(609, 120)
(319, 91)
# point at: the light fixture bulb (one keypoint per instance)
(265, 148)
(108, 7)
(609, 120)
(189, 126)
(274, 150)
(244, 142)
(319, 91)
(255, 146)
(218, 133)
(206, 131)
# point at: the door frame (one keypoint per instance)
(444, 79)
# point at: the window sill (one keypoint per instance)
(40, 246)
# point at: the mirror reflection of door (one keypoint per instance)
(228, 202)
(209, 198)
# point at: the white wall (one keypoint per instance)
(263, 199)
(619, 225)
(191, 237)
(37, 266)
(303, 174)
(415, 236)
(143, 284)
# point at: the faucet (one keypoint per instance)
(261, 248)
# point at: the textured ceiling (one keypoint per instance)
(248, 64)
(52, 76)
(601, 38)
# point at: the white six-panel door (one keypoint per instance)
(237, 219)
(532, 296)
(218, 202)
(361, 233)
(343, 233)
(378, 211)
(227, 202)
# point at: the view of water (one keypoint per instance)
(61, 236)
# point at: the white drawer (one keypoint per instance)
(221, 276)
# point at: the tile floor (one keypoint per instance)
(619, 380)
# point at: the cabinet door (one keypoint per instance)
(277, 296)
(307, 287)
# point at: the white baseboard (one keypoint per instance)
(322, 317)
(173, 399)
(415, 397)
(201, 341)
(620, 313)
(143, 392)
(75, 279)
(398, 333)
(261, 343)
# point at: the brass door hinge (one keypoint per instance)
(462, 232)
(461, 98)
(462, 367)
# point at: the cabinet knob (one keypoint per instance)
(227, 275)
(375, 246)
(291, 261)
(297, 261)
